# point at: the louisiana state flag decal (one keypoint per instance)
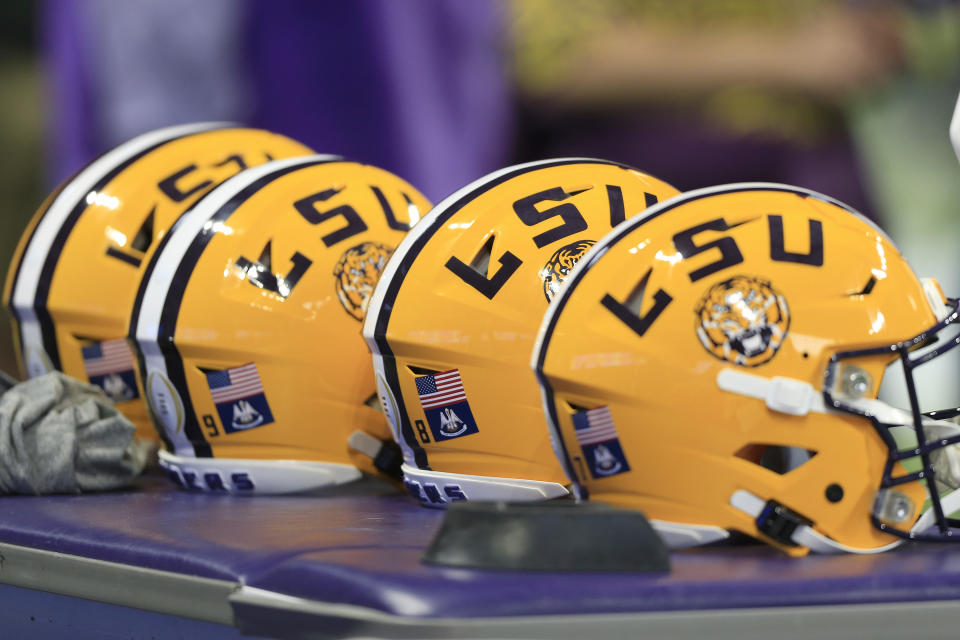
(597, 436)
(109, 365)
(240, 399)
(445, 405)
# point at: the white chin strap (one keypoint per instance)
(950, 504)
(803, 535)
(806, 536)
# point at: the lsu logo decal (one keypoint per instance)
(742, 320)
(109, 365)
(357, 273)
(558, 267)
(597, 436)
(239, 397)
(445, 405)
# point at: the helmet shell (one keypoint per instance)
(71, 284)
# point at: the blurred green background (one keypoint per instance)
(22, 118)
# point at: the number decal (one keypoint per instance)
(422, 431)
(729, 252)
(573, 222)
(815, 256)
(211, 425)
(259, 273)
(489, 287)
(307, 208)
(639, 322)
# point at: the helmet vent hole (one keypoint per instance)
(867, 288)
(206, 370)
(776, 458)
(576, 408)
(265, 261)
(575, 191)
(481, 261)
(634, 301)
(144, 237)
(422, 371)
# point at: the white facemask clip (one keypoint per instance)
(935, 297)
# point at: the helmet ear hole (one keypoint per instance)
(776, 458)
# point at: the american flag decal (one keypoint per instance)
(597, 436)
(597, 426)
(234, 384)
(110, 356)
(239, 397)
(444, 403)
(109, 365)
(440, 389)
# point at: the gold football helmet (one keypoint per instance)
(453, 319)
(247, 325)
(71, 284)
(716, 364)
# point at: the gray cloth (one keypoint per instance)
(59, 435)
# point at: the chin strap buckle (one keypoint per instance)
(778, 522)
(386, 454)
(389, 460)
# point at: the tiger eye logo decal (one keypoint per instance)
(743, 320)
(356, 275)
(558, 267)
